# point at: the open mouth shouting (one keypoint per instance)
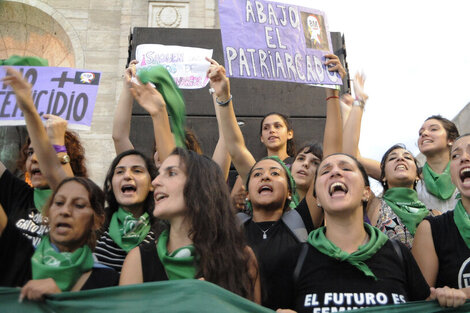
(465, 176)
(338, 189)
(265, 189)
(160, 196)
(128, 189)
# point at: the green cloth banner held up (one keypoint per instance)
(188, 295)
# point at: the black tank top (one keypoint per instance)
(152, 267)
(452, 252)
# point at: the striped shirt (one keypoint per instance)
(110, 254)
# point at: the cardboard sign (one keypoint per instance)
(275, 41)
(67, 92)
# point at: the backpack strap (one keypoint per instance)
(294, 222)
(397, 248)
(243, 218)
(300, 262)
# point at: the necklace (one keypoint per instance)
(265, 231)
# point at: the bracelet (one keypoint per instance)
(359, 103)
(59, 148)
(222, 104)
(332, 97)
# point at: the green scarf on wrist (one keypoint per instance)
(462, 221)
(40, 197)
(404, 202)
(163, 81)
(176, 266)
(377, 239)
(64, 267)
(439, 185)
(127, 231)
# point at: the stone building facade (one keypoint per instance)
(93, 34)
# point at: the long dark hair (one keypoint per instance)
(290, 142)
(384, 160)
(108, 185)
(95, 196)
(215, 233)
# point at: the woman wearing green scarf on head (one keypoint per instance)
(349, 264)
(63, 260)
(442, 243)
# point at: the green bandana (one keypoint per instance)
(165, 84)
(127, 231)
(439, 185)
(64, 267)
(377, 239)
(462, 222)
(40, 197)
(177, 266)
(294, 202)
(16, 60)
(404, 202)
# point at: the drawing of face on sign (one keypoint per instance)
(464, 274)
(314, 31)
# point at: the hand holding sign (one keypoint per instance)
(21, 87)
(334, 65)
(218, 80)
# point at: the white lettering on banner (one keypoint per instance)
(347, 300)
(260, 17)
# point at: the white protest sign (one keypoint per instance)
(187, 65)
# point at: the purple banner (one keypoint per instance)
(275, 41)
(67, 92)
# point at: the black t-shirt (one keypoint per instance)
(279, 238)
(15, 259)
(304, 212)
(452, 252)
(17, 199)
(325, 284)
(152, 267)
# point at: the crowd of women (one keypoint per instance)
(300, 231)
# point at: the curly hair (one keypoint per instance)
(75, 151)
(96, 198)
(113, 205)
(216, 235)
(290, 142)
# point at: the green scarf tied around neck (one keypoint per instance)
(294, 202)
(462, 221)
(64, 267)
(40, 197)
(16, 60)
(377, 239)
(439, 185)
(181, 263)
(161, 78)
(127, 231)
(404, 202)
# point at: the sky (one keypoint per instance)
(416, 58)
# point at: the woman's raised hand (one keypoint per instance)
(218, 80)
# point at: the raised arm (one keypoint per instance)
(221, 155)
(227, 122)
(352, 128)
(123, 113)
(47, 158)
(152, 101)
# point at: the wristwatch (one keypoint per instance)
(64, 159)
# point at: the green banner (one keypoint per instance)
(187, 295)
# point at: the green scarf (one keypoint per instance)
(404, 202)
(176, 267)
(40, 197)
(439, 185)
(165, 84)
(64, 267)
(127, 231)
(294, 202)
(377, 239)
(16, 60)
(462, 221)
